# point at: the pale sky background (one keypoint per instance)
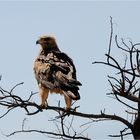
(82, 30)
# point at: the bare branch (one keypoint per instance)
(130, 133)
(48, 133)
(25, 104)
(110, 40)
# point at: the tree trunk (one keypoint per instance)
(136, 125)
(136, 129)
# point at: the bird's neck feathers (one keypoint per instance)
(47, 49)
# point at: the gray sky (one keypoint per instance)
(82, 30)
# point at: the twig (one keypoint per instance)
(110, 39)
(48, 133)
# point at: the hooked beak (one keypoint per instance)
(37, 42)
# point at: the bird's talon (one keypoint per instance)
(67, 109)
(43, 106)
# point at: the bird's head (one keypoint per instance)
(47, 42)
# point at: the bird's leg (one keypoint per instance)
(68, 102)
(43, 96)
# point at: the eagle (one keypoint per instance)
(55, 72)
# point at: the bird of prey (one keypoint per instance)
(55, 72)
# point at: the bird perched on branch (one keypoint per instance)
(55, 72)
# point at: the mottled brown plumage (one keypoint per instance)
(55, 72)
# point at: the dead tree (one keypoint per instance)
(124, 84)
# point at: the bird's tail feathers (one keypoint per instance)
(71, 89)
(72, 95)
(74, 82)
